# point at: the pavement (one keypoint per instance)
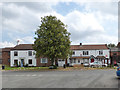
(60, 79)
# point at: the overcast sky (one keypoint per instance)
(88, 22)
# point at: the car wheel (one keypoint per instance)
(103, 65)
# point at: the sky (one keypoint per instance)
(88, 22)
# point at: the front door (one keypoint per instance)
(22, 62)
(16, 62)
(92, 60)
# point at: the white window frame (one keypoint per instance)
(101, 52)
(46, 60)
(29, 53)
(28, 61)
(16, 52)
(73, 53)
(85, 52)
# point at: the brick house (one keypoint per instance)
(115, 54)
(6, 56)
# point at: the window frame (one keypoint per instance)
(9, 60)
(78, 60)
(101, 52)
(30, 53)
(15, 53)
(73, 53)
(114, 54)
(46, 60)
(85, 52)
(30, 60)
(15, 60)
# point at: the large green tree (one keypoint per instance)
(52, 39)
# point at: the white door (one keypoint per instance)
(61, 62)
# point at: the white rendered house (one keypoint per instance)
(22, 55)
(89, 53)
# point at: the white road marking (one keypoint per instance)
(34, 75)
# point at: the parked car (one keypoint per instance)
(104, 65)
(86, 65)
(95, 64)
(118, 71)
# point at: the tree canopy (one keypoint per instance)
(52, 39)
(111, 45)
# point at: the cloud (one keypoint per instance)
(82, 25)
(20, 20)
(109, 8)
(6, 44)
(26, 40)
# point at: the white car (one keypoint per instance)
(86, 65)
(97, 64)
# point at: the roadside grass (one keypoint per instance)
(25, 68)
(7, 68)
(88, 68)
(0, 66)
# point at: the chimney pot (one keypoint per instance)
(80, 44)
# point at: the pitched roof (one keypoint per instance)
(7, 48)
(118, 45)
(88, 47)
(73, 47)
(23, 47)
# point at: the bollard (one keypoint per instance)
(3, 67)
(64, 66)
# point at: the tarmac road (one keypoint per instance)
(60, 79)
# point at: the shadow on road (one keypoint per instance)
(118, 79)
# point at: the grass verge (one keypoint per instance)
(25, 68)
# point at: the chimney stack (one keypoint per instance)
(80, 44)
(18, 42)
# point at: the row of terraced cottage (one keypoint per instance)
(23, 54)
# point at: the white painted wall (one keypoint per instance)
(22, 54)
(95, 53)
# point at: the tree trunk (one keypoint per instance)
(52, 61)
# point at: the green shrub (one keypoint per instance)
(54, 66)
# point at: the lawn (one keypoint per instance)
(25, 68)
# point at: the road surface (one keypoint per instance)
(60, 79)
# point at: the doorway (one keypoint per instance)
(22, 62)
(92, 60)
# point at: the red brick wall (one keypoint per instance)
(5, 57)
